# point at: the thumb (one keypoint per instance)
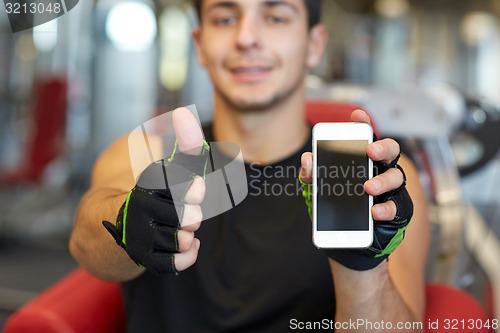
(188, 131)
(306, 168)
(360, 116)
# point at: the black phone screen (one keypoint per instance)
(342, 169)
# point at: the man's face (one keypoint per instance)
(256, 51)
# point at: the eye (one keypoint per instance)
(276, 19)
(229, 20)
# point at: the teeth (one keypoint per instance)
(248, 70)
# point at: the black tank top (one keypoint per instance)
(257, 268)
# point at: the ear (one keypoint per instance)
(318, 37)
(197, 43)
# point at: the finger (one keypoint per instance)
(306, 167)
(196, 192)
(384, 211)
(388, 181)
(186, 259)
(188, 131)
(185, 240)
(192, 214)
(192, 227)
(360, 116)
(385, 150)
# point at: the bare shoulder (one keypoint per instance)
(407, 263)
(113, 168)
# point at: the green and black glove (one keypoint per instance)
(149, 220)
(387, 235)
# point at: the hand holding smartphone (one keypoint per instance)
(341, 208)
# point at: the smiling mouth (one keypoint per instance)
(250, 74)
(250, 70)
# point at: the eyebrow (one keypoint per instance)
(276, 3)
(268, 3)
(223, 4)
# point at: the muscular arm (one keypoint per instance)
(94, 246)
(394, 291)
(90, 244)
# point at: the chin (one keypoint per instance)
(253, 105)
(256, 99)
(246, 104)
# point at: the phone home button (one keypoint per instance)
(342, 238)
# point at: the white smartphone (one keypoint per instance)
(341, 209)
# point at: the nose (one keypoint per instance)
(248, 35)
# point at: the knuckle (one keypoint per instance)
(391, 149)
(185, 239)
(185, 260)
(383, 182)
(401, 177)
(394, 144)
(193, 256)
(191, 227)
(196, 192)
(397, 177)
(197, 214)
(391, 179)
(192, 214)
(200, 185)
(179, 262)
(386, 211)
(382, 179)
(390, 143)
(393, 210)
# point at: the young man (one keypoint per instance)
(257, 269)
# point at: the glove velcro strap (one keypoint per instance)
(355, 259)
(307, 195)
(394, 242)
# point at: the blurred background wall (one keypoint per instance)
(124, 60)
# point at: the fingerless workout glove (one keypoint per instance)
(387, 235)
(149, 219)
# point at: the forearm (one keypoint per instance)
(92, 246)
(370, 296)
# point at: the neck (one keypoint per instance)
(264, 136)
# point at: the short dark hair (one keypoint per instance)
(313, 10)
